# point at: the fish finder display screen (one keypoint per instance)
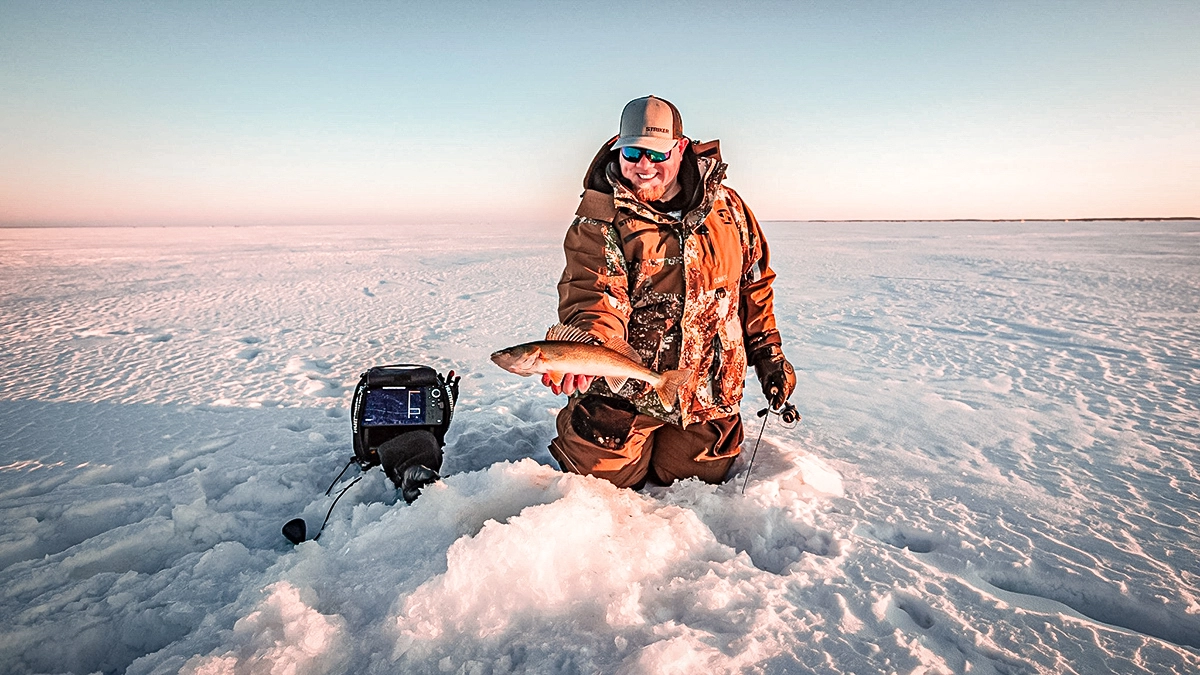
(392, 406)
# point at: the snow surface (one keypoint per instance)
(996, 471)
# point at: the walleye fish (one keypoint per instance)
(570, 350)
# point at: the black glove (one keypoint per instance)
(775, 374)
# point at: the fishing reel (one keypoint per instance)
(787, 413)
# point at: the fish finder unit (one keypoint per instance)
(390, 401)
(399, 417)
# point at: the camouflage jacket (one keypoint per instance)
(692, 291)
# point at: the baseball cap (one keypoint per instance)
(649, 122)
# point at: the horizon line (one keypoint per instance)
(51, 225)
(978, 220)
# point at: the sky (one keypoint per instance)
(244, 113)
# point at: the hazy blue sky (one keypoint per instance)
(380, 112)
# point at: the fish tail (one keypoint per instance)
(668, 387)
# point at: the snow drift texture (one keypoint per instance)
(995, 472)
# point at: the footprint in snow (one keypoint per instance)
(298, 426)
(903, 537)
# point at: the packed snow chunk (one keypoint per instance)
(817, 475)
(583, 555)
(681, 655)
(198, 523)
(146, 546)
(582, 564)
(226, 559)
(285, 636)
(775, 526)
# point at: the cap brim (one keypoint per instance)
(655, 143)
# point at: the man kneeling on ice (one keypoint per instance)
(665, 261)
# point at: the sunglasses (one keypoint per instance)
(634, 155)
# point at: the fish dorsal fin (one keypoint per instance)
(625, 349)
(560, 332)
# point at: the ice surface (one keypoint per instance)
(995, 473)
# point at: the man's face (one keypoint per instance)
(652, 181)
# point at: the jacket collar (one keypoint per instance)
(711, 171)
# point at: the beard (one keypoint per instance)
(650, 194)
